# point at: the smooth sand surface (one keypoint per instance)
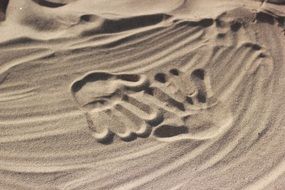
(150, 94)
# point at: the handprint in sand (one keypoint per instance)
(114, 105)
(193, 112)
(169, 106)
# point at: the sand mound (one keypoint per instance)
(146, 94)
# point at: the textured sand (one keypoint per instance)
(152, 94)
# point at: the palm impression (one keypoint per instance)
(194, 112)
(113, 105)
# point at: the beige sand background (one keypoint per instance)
(152, 94)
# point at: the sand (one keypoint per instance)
(153, 94)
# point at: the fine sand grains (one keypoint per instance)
(127, 94)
